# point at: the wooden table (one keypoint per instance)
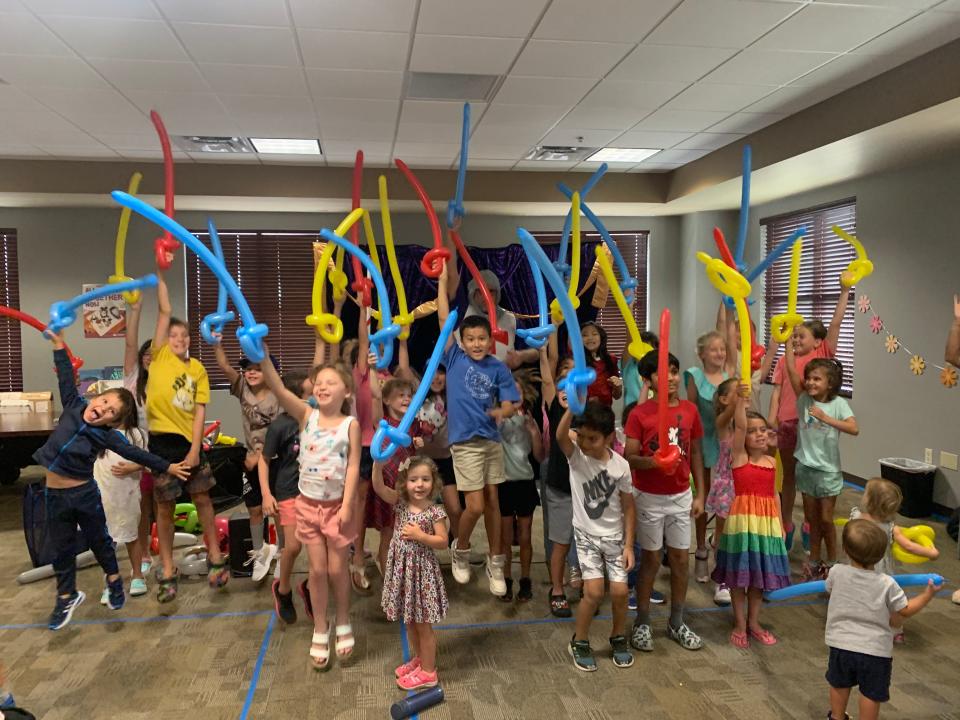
(21, 434)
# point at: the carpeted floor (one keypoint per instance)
(222, 655)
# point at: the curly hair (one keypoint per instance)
(407, 465)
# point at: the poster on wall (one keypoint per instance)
(104, 317)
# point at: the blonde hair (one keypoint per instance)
(407, 465)
(345, 375)
(881, 499)
(705, 340)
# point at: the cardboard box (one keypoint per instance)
(40, 402)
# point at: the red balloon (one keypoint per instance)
(722, 247)
(34, 323)
(433, 269)
(667, 454)
(165, 244)
(498, 335)
(756, 356)
(361, 285)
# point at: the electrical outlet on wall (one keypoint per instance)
(928, 455)
(948, 460)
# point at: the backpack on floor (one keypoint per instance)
(35, 526)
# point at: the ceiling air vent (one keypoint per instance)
(213, 144)
(450, 86)
(560, 153)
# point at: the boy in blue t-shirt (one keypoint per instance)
(480, 393)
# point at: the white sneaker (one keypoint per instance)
(460, 564)
(721, 596)
(262, 560)
(105, 598)
(495, 564)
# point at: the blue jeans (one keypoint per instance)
(67, 508)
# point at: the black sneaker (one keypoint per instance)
(63, 611)
(559, 607)
(115, 596)
(508, 595)
(525, 594)
(283, 604)
(622, 657)
(582, 655)
(304, 590)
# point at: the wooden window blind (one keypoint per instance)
(11, 353)
(825, 256)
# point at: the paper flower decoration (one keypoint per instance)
(917, 365)
(876, 324)
(948, 376)
(863, 304)
(892, 343)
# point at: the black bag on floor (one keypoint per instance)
(241, 544)
(226, 462)
(15, 713)
(35, 526)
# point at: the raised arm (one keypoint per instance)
(164, 312)
(952, 354)
(131, 340)
(548, 389)
(387, 494)
(833, 332)
(919, 602)
(112, 440)
(790, 366)
(403, 370)
(729, 332)
(66, 376)
(223, 362)
(740, 425)
(363, 342)
(768, 357)
(294, 406)
(563, 434)
(443, 302)
(536, 439)
(726, 415)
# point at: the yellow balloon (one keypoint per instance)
(403, 318)
(131, 296)
(729, 281)
(637, 347)
(327, 325)
(858, 269)
(781, 326)
(556, 314)
(923, 535)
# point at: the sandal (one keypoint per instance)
(764, 637)
(739, 640)
(344, 631)
(559, 607)
(362, 585)
(218, 574)
(320, 656)
(167, 588)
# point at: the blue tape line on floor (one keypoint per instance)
(155, 618)
(255, 678)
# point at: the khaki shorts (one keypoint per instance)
(477, 463)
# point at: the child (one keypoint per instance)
(823, 416)
(279, 470)
(178, 391)
(664, 501)
(633, 386)
(608, 386)
(433, 423)
(603, 522)
(518, 495)
(258, 408)
(721, 493)
(413, 591)
(864, 606)
(751, 557)
(701, 385)
(326, 506)
(84, 429)
(480, 392)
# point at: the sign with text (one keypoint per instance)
(104, 317)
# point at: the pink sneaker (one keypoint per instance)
(407, 667)
(417, 679)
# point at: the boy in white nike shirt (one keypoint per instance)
(603, 525)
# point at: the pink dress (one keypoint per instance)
(413, 590)
(721, 492)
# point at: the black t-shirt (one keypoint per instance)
(558, 471)
(281, 448)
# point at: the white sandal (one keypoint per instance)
(320, 654)
(347, 644)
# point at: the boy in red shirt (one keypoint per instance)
(664, 501)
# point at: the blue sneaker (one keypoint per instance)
(115, 596)
(64, 608)
(632, 600)
(657, 597)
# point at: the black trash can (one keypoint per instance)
(915, 480)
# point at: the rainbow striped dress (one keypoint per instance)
(752, 553)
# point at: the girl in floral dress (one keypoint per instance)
(413, 591)
(721, 492)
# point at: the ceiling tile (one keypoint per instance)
(428, 162)
(746, 122)
(23, 34)
(41, 71)
(678, 156)
(949, 6)
(127, 141)
(66, 100)
(132, 121)
(529, 115)
(673, 63)
(426, 150)
(650, 167)
(642, 95)
(649, 139)
(358, 131)
(426, 132)
(223, 158)
(545, 165)
(496, 151)
(376, 84)
(9, 151)
(227, 12)
(111, 38)
(147, 75)
(287, 105)
(384, 15)
(12, 6)
(503, 135)
(20, 124)
(12, 98)
(490, 18)
(272, 125)
(484, 164)
(719, 23)
(703, 96)
(847, 71)
(439, 112)
(916, 36)
(137, 9)
(378, 111)
(448, 53)
(555, 58)
(254, 79)
(579, 137)
(339, 49)
(708, 141)
(592, 165)
(347, 160)
(611, 20)
(791, 99)
(236, 44)
(157, 154)
(524, 90)
(602, 117)
(680, 120)
(187, 113)
(833, 28)
(95, 150)
(918, 4)
(345, 147)
(767, 67)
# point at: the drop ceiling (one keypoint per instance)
(689, 77)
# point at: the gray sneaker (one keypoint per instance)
(498, 584)
(622, 657)
(460, 564)
(582, 655)
(685, 637)
(642, 638)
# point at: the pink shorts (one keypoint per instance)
(317, 522)
(146, 482)
(787, 435)
(287, 512)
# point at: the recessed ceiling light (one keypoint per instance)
(286, 146)
(558, 153)
(634, 155)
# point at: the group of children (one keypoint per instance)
(612, 510)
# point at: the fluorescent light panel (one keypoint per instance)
(286, 146)
(635, 155)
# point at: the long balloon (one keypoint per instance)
(776, 253)
(211, 326)
(781, 326)
(119, 274)
(744, 206)
(63, 313)
(573, 270)
(250, 334)
(577, 381)
(455, 209)
(403, 318)
(859, 268)
(728, 281)
(820, 586)
(432, 263)
(535, 337)
(497, 335)
(666, 455)
(561, 265)
(165, 244)
(361, 284)
(400, 436)
(34, 323)
(637, 347)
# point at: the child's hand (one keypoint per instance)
(418, 442)
(344, 515)
(192, 459)
(124, 468)
(697, 509)
(818, 413)
(615, 381)
(628, 558)
(180, 470)
(744, 390)
(932, 589)
(411, 531)
(270, 505)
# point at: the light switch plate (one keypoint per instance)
(928, 455)
(948, 460)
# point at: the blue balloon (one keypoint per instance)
(63, 313)
(744, 207)
(535, 337)
(580, 377)
(820, 586)
(776, 252)
(627, 283)
(561, 265)
(214, 322)
(455, 207)
(400, 436)
(250, 334)
(381, 342)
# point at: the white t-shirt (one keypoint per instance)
(858, 616)
(506, 321)
(104, 464)
(595, 488)
(130, 383)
